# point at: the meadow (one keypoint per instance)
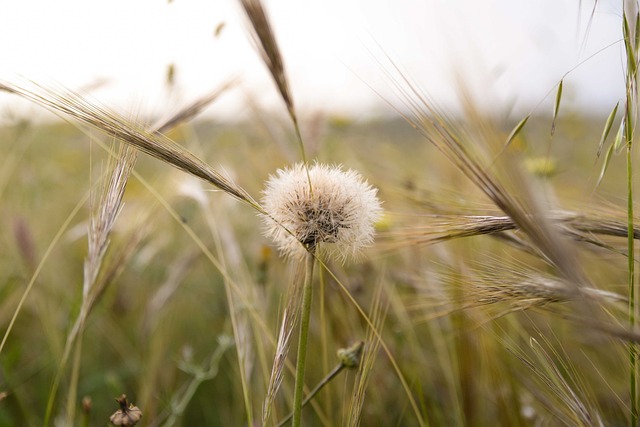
(496, 291)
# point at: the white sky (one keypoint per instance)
(509, 51)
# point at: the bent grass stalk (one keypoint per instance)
(265, 42)
(148, 141)
(349, 358)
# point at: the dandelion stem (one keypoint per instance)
(331, 375)
(302, 342)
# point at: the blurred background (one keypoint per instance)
(511, 53)
(188, 268)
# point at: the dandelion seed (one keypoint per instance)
(338, 211)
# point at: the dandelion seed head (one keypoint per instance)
(337, 214)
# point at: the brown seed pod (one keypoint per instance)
(127, 415)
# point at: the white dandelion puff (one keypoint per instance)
(337, 213)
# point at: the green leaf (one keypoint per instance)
(616, 147)
(516, 130)
(628, 118)
(605, 164)
(607, 128)
(618, 143)
(556, 107)
(637, 38)
(631, 57)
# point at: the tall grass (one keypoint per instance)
(631, 32)
(495, 292)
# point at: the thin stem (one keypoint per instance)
(324, 340)
(36, 273)
(633, 354)
(75, 374)
(315, 391)
(307, 292)
(630, 41)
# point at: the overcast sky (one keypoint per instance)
(512, 52)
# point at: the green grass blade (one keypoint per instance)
(516, 130)
(605, 165)
(618, 143)
(637, 37)
(556, 107)
(607, 128)
(629, 49)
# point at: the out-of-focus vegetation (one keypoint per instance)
(466, 320)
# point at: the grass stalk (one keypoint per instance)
(633, 355)
(324, 337)
(629, 30)
(326, 380)
(307, 292)
(63, 228)
(75, 375)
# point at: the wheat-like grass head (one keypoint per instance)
(336, 213)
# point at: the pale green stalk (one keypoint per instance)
(633, 355)
(331, 375)
(307, 292)
(75, 376)
(324, 340)
(630, 42)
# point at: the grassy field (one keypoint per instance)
(496, 291)
(470, 352)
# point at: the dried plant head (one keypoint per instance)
(127, 415)
(265, 42)
(134, 133)
(337, 213)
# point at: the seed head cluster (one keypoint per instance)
(336, 213)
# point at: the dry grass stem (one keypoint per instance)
(369, 354)
(150, 142)
(563, 396)
(443, 228)
(105, 214)
(474, 159)
(265, 42)
(100, 227)
(192, 110)
(287, 327)
(502, 288)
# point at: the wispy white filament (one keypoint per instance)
(336, 215)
